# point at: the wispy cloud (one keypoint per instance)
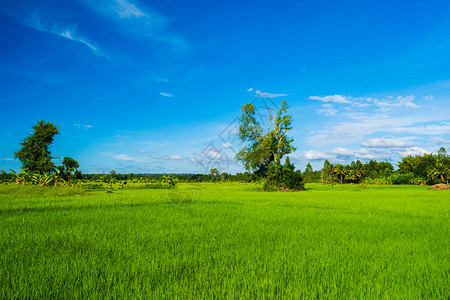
(413, 151)
(124, 157)
(67, 32)
(126, 9)
(328, 109)
(9, 159)
(171, 157)
(396, 102)
(138, 21)
(314, 155)
(382, 104)
(87, 126)
(331, 98)
(167, 95)
(268, 95)
(386, 143)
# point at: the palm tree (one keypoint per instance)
(340, 171)
(351, 175)
(440, 171)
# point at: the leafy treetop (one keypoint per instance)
(35, 155)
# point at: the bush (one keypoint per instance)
(402, 178)
(283, 178)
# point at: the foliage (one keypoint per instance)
(264, 146)
(35, 154)
(283, 177)
(70, 165)
(266, 149)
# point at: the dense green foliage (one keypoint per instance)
(35, 154)
(419, 169)
(266, 148)
(283, 177)
(226, 241)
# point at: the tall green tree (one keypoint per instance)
(326, 171)
(265, 145)
(35, 154)
(309, 172)
(70, 165)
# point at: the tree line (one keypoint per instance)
(419, 169)
(265, 159)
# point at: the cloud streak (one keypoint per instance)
(167, 95)
(386, 143)
(331, 98)
(268, 95)
(124, 157)
(139, 22)
(70, 33)
(126, 9)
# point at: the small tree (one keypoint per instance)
(70, 165)
(267, 146)
(214, 174)
(35, 153)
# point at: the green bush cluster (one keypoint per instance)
(283, 177)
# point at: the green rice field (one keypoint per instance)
(225, 241)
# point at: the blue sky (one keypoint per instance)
(156, 86)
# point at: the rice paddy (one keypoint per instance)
(225, 241)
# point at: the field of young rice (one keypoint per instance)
(217, 240)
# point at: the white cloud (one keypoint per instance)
(386, 143)
(250, 89)
(442, 141)
(126, 9)
(36, 22)
(143, 23)
(328, 110)
(396, 103)
(227, 145)
(413, 151)
(167, 95)
(172, 157)
(331, 98)
(268, 95)
(211, 154)
(82, 126)
(365, 154)
(386, 103)
(124, 157)
(9, 159)
(313, 155)
(423, 130)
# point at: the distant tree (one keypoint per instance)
(309, 173)
(441, 169)
(35, 154)
(265, 146)
(113, 174)
(78, 174)
(70, 165)
(326, 171)
(442, 154)
(214, 174)
(340, 171)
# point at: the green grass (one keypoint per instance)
(226, 241)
